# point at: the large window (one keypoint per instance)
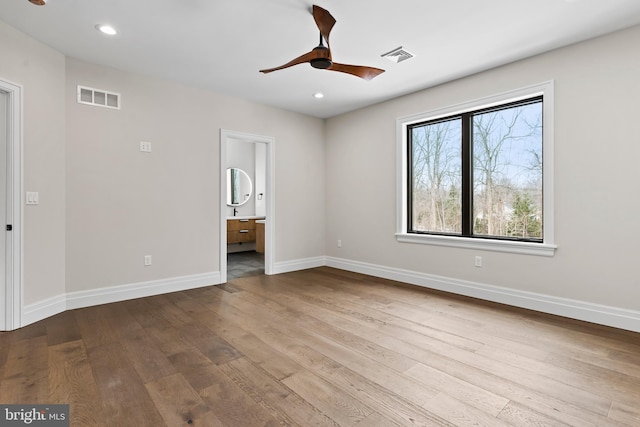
(479, 174)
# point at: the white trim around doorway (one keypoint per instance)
(227, 136)
(13, 286)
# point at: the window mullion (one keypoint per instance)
(467, 175)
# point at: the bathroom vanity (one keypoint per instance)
(241, 230)
(245, 229)
(260, 235)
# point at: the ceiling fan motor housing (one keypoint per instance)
(322, 62)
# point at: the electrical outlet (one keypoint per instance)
(145, 146)
(478, 261)
(339, 243)
(147, 260)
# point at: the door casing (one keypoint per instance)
(12, 288)
(228, 137)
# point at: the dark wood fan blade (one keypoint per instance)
(320, 56)
(363, 72)
(307, 57)
(324, 21)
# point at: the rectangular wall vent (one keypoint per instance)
(398, 55)
(98, 97)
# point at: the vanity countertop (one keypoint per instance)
(246, 217)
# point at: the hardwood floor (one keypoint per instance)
(322, 347)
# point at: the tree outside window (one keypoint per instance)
(478, 174)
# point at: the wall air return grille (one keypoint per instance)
(98, 97)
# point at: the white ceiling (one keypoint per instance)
(221, 44)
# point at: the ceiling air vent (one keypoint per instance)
(98, 97)
(398, 55)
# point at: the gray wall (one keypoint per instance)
(596, 176)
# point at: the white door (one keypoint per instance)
(3, 207)
(10, 206)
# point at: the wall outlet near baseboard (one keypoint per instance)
(147, 260)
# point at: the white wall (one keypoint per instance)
(596, 175)
(40, 70)
(104, 205)
(123, 204)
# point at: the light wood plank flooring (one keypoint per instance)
(322, 347)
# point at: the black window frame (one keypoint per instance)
(467, 217)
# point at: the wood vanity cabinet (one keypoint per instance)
(260, 237)
(241, 230)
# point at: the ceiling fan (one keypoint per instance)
(320, 56)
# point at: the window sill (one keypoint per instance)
(539, 249)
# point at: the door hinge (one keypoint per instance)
(9, 227)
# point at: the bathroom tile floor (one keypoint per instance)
(244, 264)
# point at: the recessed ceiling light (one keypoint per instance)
(106, 29)
(318, 95)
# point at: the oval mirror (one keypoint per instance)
(239, 187)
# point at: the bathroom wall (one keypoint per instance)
(260, 192)
(242, 155)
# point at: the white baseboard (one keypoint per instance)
(575, 309)
(33, 313)
(80, 299)
(299, 264)
(580, 310)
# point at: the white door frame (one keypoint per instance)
(228, 136)
(13, 301)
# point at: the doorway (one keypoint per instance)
(260, 204)
(10, 206)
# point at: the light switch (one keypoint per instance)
(145, 146)
(33, 197)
